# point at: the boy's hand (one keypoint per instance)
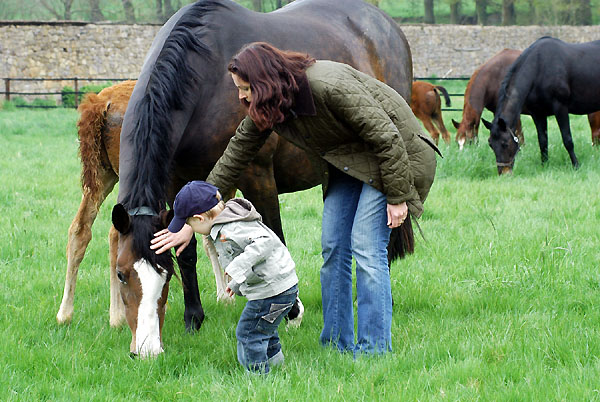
(164, 240)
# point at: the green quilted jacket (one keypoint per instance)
(347, 119)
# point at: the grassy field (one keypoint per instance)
(498, 303)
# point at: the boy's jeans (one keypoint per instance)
(256, 332)
(355, 223)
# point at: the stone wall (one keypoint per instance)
(57, 50)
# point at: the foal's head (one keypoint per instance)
(144, 277)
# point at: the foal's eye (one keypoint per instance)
(122, 277)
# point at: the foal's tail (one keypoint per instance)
(402, 241)
(445, 93)
(89, 128)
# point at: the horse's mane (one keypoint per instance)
(514, 72)
(169, 85)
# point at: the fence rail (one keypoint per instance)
(78, 80)
(76, 85)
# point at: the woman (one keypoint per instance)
(374, 163)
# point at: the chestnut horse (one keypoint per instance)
(183, 111)
(482, 92)
(426, 105)
(99, 130)
(550, 78)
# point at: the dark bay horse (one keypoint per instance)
(482, 92)
(550, 77)
(184, 110)
(426, 104)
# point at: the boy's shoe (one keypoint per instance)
(276, 360)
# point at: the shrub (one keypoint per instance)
(68, 96)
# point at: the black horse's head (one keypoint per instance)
(503, 142)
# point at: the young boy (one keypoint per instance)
(258, 262)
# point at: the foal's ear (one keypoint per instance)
(121, 219)
(455, 123)
(487, 124)
(166, 217)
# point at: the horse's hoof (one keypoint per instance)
(297, 320)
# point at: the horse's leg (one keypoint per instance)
(260, 188)
(79, 236)
(541, 125)
(442, 128)
(220, 277)
(431, 129)
(562, 118)
(117, 308)
(194, 313)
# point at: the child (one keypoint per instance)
(258, 262)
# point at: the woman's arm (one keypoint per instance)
(240, 151)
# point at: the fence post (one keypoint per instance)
(7, 89)
(76, 93)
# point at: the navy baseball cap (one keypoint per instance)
(194, 198)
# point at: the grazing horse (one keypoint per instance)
(426, 105)
(482, 92)
(99, 128)
(550, 77)
(183, 111)
(594, 119)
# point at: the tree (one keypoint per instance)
(129, 11)
(257, 5)
(164, 10)
(455, 12)
(429, 15)
(508, 12)
(66, 12)
(583, 12)
(480, 10)
(95, 11)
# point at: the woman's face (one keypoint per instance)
(244, 91)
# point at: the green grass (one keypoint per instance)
(499, 302)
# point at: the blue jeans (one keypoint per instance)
(355, 224)
(256, 332)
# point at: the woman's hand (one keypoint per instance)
(164, 240)
(396, 213)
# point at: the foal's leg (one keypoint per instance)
(431, 129)
(442, 128)
(519, 133)
(117, 308)
(541, 125)
(80, 234)
(220, 277)
(261, 189)
(562, 118)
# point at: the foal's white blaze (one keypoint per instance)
(147, 334)
(461, 143)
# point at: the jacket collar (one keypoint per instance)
(304, 105)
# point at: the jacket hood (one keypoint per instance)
(238, 209)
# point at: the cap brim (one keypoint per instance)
(176, 224)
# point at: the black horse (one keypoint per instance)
(550, 77)
(184, 109)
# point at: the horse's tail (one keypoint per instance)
(89, 128)
(445, 93)
(402, 241)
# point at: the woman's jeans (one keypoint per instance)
(355, 224)
(256, 332)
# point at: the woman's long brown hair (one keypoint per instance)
(273, 77)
